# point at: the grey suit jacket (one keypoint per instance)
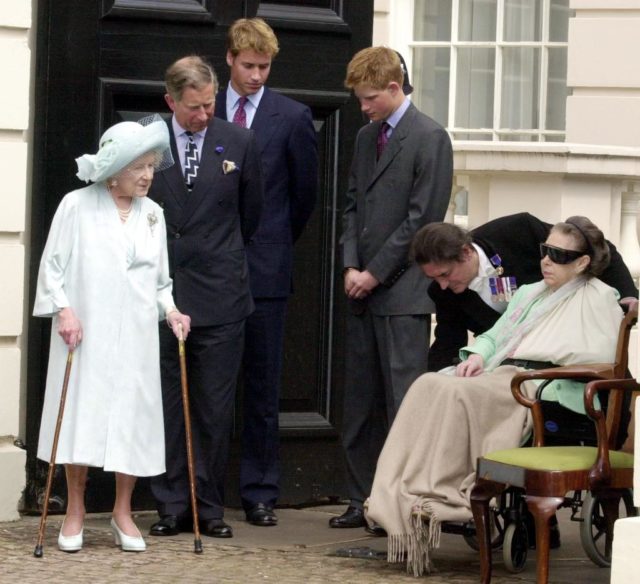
(388, 201)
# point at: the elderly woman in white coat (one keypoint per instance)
(104, 278)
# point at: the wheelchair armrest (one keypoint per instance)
(600, 472)
(593, 387)
(584, 373)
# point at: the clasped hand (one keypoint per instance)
(359, 284)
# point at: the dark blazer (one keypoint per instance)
(208, 227)
(516, 239)
(388, 201)
(287, 143)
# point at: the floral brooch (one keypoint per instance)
(152, 219)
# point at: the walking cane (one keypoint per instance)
(197, 542)
(37, 552)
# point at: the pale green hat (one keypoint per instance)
(123, 143)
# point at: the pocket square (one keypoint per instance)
(229, 166)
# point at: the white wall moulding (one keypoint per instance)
(15, 13)
(15, 64)
(603, 119)
(10, 384)
(13, 169)
(12, 480)
(629, 246)
(11, 289)
(584, 159)
(605, 4)
(608, 62)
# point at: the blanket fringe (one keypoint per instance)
(416, 545)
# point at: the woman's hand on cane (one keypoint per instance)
(69, 327)
(175, 318)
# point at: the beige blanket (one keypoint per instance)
(426, 467)
(445, 422)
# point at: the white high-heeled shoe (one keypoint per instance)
(128, 543)
(70, 543)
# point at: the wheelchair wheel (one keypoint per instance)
(497, 534)
(593, 533)
(515, 546)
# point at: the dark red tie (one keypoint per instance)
(382, 138)
(240, 117)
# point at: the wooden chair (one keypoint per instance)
(547, 474)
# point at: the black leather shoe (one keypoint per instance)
(216, 528)
(376, 530)
(352, 517)
(262, 515)
(554, 537)
(168, 525)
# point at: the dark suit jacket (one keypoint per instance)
(516, 239)
(388, 201)
(207, 228)
(287, 143)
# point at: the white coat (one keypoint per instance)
(115, 277)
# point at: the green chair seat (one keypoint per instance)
(560, 458)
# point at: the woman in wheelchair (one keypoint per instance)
(448, 419)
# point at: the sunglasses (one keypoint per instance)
(558, 255)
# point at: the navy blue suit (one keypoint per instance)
(287, 143)
(207, 230)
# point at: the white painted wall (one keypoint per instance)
(16, 69)
(605, 105)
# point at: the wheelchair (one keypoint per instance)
(510, 521)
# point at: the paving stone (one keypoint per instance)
(300, 550)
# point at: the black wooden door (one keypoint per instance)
(102, 61)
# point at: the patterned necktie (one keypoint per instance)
(240, 117)
(191, 163)
(383, 139)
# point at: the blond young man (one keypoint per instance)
(287, 143)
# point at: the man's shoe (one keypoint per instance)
(376, 530)
(352, 517)
(168, 525)
(216, 528)
(554, 537)
(262, 515)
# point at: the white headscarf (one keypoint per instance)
(513, 331)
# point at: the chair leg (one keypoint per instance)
(610, 501)
(481, 495)
(542, 509)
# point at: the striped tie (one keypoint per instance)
(191, 163)
(240, 117)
